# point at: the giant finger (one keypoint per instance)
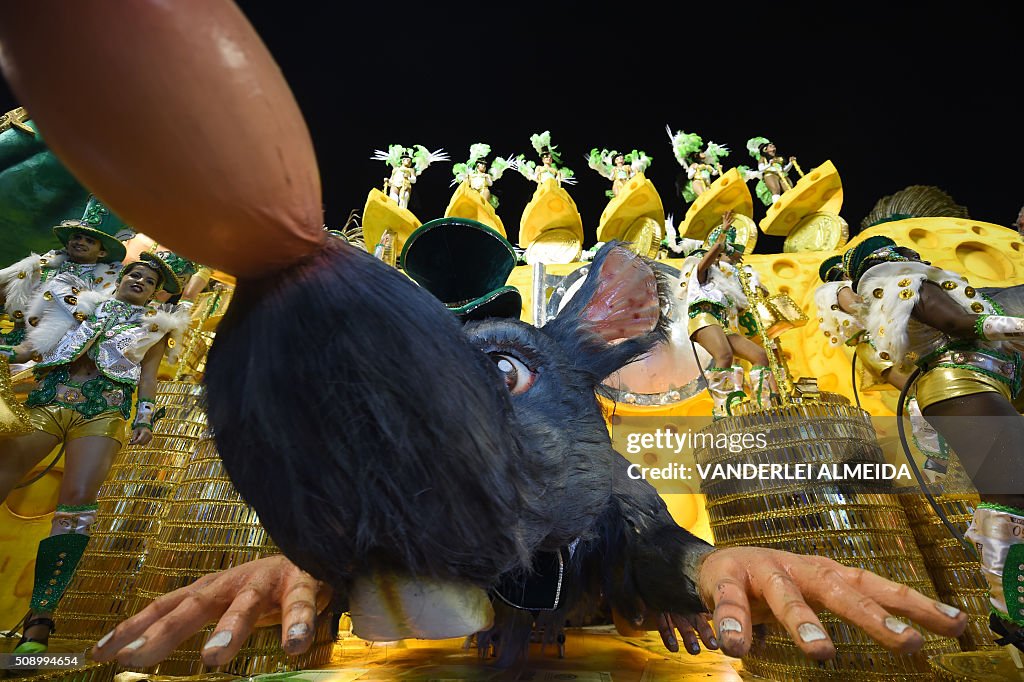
(235, 626)
(298, 612)
(787, 602)
(940, 618)
(828, 587)
(163, 636)
(129, 631)
(732, 615)
(668, 637)
(687, 630)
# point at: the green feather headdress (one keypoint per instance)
(684, 144)
(715, 152)
(754, 146)
(542, 144)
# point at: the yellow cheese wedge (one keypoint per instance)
(380, 213)
(819, 190)
(728, 193)
(467, 203)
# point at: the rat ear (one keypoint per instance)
(615, 316)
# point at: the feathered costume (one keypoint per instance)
(21, 282)
(967, 374)
(775, 166)
(481, 181)
(719, 301)
(403, 175)
(68, 321)
(541, 173)
(603, 161)
(701, 166)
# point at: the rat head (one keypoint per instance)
(398, 439)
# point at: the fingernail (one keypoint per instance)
(809, 632)
(729, 625)
(219, 639)
(136, 644)
(713, 643)
(695, 648)
(298, 630)
(895, 624)
(947, 610)
(104, 639)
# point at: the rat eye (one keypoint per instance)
(518, 377)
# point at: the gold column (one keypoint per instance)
(132, 502)
(955, 572)
(208, 528)
(834, 519)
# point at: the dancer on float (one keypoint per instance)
(968, 354)
(714, 301)
(479, 173)
(618, 167)
(841, 319)
(701, 165)
(407, 165)
(772, 170)
(549, 168)
(92, 251)
(463, 458)
(92, 352)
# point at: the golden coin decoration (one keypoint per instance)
(819, 231)
(643, 237)
(558, 245)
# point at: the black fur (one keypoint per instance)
(399, 446)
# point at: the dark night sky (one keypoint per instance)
(893, 97)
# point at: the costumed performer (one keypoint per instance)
(618, 167)
(967, 353)
(92, 251)
(92, 352)
(841, 319)
(463, 505)
(479, 173)
(407, 165)
(701, 165)
(549, 168)
(714, 299)
(772, 170)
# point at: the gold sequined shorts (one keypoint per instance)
(943, 383)
(66, 424)
(701, 320)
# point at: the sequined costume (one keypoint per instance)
(21, 282)
(950, 367)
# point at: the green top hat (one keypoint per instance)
(832, 270)
(98, 222)
(878, 247)
(174, 270)
(465, 264)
